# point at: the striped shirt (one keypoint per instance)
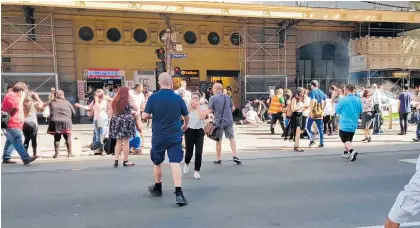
(407, 203)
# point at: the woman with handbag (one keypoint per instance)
(194, 135)
(100, 117)
(367, 115)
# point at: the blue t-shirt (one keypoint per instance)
(349, 108)
(318, 95)
(166, 108)
(405, 102)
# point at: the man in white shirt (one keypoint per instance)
(183, 86)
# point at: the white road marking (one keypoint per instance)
(411, 224)
(413, 161)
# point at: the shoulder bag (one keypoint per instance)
(211, 128)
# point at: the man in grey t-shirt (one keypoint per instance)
(224, 120)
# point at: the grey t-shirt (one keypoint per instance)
(216, 104)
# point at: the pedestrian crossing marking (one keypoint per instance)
(413, 161)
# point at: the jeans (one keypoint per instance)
(418, 130)
(403, 122)
(99, 134)
(14, 141)
(319, 124)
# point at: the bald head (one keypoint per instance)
(217, 88)
(165, 80)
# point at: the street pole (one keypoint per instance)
(168, 43)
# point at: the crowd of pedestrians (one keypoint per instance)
(183, 117)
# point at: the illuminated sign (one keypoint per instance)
(190, 73)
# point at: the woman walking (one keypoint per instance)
(122, 125)
(31, 105)
(100, 117)
(194, 135)
(296, 125)
(60, 121)
(328, 115)
(367, 115)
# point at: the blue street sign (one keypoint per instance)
(179, 56)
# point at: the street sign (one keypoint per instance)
(179, 56)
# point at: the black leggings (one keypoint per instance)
(328, 121)
(30, 132)
(277, 117)
(194, 137)
(57, 138)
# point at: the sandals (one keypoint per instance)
(297, 149)
(128, 163)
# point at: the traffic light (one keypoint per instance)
(160, 53)
(177, 72)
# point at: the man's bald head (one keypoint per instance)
(217, 88)
(165, 80)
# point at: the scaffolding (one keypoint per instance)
(20, 57)
(262, 59)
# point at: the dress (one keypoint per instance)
(367, 114)
(123, 125)
(60, 117)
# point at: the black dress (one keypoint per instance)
(61, 112)
(123, 125)
(296, 121)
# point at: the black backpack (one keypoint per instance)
(5, 117)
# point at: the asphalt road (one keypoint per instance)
(309, 191)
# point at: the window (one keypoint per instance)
(161, 34)
(235, 38)
(190, 37)
(140, 35)
(85, 33)
(214, 38)
(113, 34)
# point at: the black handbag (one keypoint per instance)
(5, 117)
(376, 108)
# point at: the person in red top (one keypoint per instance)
(13, 104)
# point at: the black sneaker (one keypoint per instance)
(9, 161)
(180, 199)
(321, 146)
(312, 143)
(218, 162)
(416, 139)
(236, 160)
(154, 191)
(353, 156)
(31, 159)
(272, 131)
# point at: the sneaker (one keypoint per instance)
(197, 175)
(414, 139)
(272, 131)
(154, 191)
(401, 133)
(31, 159)
(345, 154)
(180, 199)
(218, 162)
(236, 160)
(353, 156)
(186, 168)
(321, 146)
(312, 143)
(9, 161)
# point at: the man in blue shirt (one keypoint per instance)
(317, 97)
(349, 108)
(166, 108)
(404, 108)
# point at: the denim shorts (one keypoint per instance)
(172, 146)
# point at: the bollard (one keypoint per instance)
(390, 117)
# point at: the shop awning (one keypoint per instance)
(234, 10)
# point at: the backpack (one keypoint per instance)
(317, 111)
(5, 117)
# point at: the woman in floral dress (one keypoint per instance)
(122, 126)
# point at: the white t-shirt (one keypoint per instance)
(187, 94)
(328, 107)
(195, 122)
(138, 99)
(251, 116)
(307, 102)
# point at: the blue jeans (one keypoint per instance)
(418, 130)
(14, 140)
(99, 134)
(320, 124)
(377, 124)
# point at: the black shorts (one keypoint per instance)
(346, 136)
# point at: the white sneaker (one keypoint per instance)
(353, 156)
(345, 155)
(186, 168)
(197, 175)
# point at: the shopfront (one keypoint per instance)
(192, 77)
(230, 81)
(99, 78)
